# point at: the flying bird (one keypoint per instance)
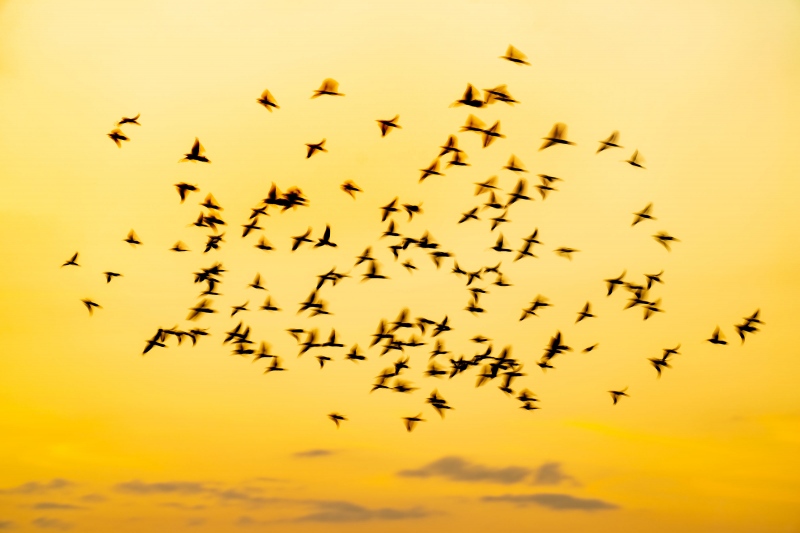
(90, 305)
(611, 142)
(556, 136)
(350, 188)
(196, 153)
(183, 188)
(329, 87)
(129, 120)
(717, 337)
(72, 261)
(337, 418)
(411, 421)
(117, 136)
(313, 148)
(617, 394)
(515, 56)
(635, 160)
(385, 125)
(132, 239)
(268, 101)
(643, 214)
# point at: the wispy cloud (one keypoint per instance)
(340, 511)
(55, 506)
(165, 487)
(184, 506)
(194, 522)
(51, 523)
(459, 469)
(557, 502)
(93, 498)
(6, 524)
(313, 453)
(39, 487)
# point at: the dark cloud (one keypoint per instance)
(55, 506)
(340, 511)
(51, 523)
(194, 522)
(313, 453)
(458, 469)
(551, 474)
(93, 498)
(556, 502)
(6, 524)
(166, 487)
(184, 506)
(38, 487)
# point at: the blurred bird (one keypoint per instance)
(351, 188)
(385, 125)
(556, 136)
(515, 56)
(268, 101)
(337, 418)
(611, 142)
(196, 154)
(313, 148)
(329, 87)
(617, 394)
(72, 261)
(90, 305)
(117, 136)
(643, 214)
(131, 120)
(635, 160)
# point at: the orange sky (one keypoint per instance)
(98, 437)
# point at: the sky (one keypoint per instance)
(97, 435)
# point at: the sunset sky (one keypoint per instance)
(97, 437)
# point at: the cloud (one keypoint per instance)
(185, 507)
(551, 474)
(313, 453)
(51, 523)
(37, 487)
(93, 498)
(556, 502)
(55, 506)
(194, 522)
(339, 511)
(458, 469)
(6, 524)
(167, 487)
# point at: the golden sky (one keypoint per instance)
(98, 437)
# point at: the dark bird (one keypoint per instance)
(300, 239)
(515, 56)
(616, 394)
(183, 188)
(472, 98)
(326, 239)
(499, 94)
(500, 246)
(653, 278)
(156, 340)
(473, 124)
(250, 226)
(130, 120)
(611, 142)
(337, 418)
(211, 203)
(132, 239)
(389, 208)
(117, 136)
(411, 421)
(432, 170)
(469, 215)
(565, 252)
(351, 188)
(275, 366)
(590, 348)
(353, 355)
(450, 146)
(237, 308)
(514, 165)
(90, 305)
(556, 136)
(487, 185)
(717, 338)
(269, 306)
(459, 159)
(438, 403)
(584, 313)
(197, 153)
(72, 261)
(664, 239)
(313, 148)
(202, 307)
(373, 272)
(643, 214)
(110, 275)
(614, 282)
(385, 125)
(330, 87)
(263, 244)
(268, 101)
(412, 210)
(635, 160)
(179, 247)
(492, 133)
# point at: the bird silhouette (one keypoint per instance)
(617, 394)
(556, 136)
(110, 275)
(129, 120)
(411, 421)
(313, 148)
(329, 87)
(117, 136)
(515, 56)
(717, 337)
(350, 188)
(268, 101)
(132, 239)
(611, 142)
(72, 261)
(386, 125)
(90, 305)
(643, 214)
(664, 239)
(471, 97)
(337, 418)
(196, 153)
(635, 160)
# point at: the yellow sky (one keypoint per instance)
(97, 437)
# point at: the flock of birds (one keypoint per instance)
(404, 333)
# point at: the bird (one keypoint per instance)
(257, 283)
(110, 275)
(492, 133)
(432, 170)
(515, 56)
(300, 239)
(90, 305)
(556, 136)
(514, 165)
(72, 261)
(565, 252)
(131, 120)
(268, 101)
(635, 160)
(617, 394)
(614, 282)
(411, 421)
(664, 239)
(132, 239)
(470, 98)
(179, 247)
(117, 136)
(611, 142)
(717, 337)
(350, 188)
(326, 239)
(585, 313)
(643, 214)
(329, 87)
(313, 148)
(183, 188)
(337, 418)
(196, 153)
(451, 145)
(385, 125)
